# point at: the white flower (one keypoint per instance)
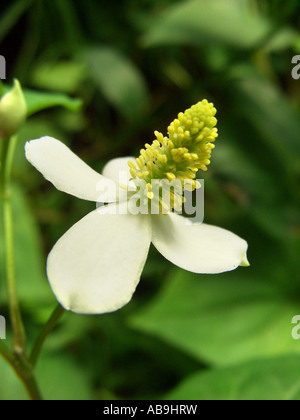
(96, 266)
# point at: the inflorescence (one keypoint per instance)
(179, 155)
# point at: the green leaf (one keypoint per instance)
(272, 380)
(118, 79)
(224, 319)
(39, 101)
(271, 114)
(59, 77)
(33, 287)
(58, 376)
(235, 162)
(282, 40)
(252, 179)
(196, 22)
(62, 379)
(11, 16)
(11, 388)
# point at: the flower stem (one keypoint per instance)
(32, 388)
(15, 313)
(6, 354)
(54, 318)
(17, 357)
(23, 370)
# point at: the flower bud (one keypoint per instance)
(13, 111)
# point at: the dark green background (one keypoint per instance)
(135, 65)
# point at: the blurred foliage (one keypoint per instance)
(134, 65)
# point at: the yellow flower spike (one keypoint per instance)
(132, 172)
(149, 153)
(139, 162)
(144, 154)
(185, 150)
(150, 165)
(170, 176)
(131, 165)
(162, 158)
(150, 194)
(171, 144)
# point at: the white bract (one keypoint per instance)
(96, 266)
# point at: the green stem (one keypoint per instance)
(4, 153)
(6, 354)
(32, 388)
(53, 320)
(17, 358)
(15, 312)
(23, 370)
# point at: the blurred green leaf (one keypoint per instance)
(195, 22)
(272, 380)
(260, 191)
(264, 105)
(39, 101)
(12, 15)
(60, 77)
(281, 40)
(58, 376)
(236, 53)
(62, 379)
(11, 389)
(73, 327)
(33, 287)
(235, 162)
(223, 319)
(118, 79)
